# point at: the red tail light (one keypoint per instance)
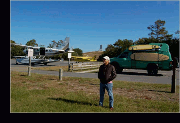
(170, 63)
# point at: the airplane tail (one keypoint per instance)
(64, 44)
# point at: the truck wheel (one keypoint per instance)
(150, 72)
(117, 67)
(155, 71)
(152, 69)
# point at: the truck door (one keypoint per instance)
(133, 63)
(125, 60)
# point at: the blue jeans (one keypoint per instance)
(108, 87)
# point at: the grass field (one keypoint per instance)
(45, 93)
(51, 68)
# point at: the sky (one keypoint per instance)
(89, 24)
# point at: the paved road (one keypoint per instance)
(61, 63)
(163, 77)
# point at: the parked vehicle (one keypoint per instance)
(151, 57)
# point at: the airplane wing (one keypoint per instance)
(70, 51)
(61, 51)
(18, 45)
(19, 56)
(36, 47)
(29, 46)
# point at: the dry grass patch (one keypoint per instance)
(52, 68)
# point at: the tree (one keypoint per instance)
(12, 41)
(123, 44)
(158, 31)
(173, 47)
(116, 49)
(17, 51)
(65, 56)
(177, 33)
(78, 51)
(147, 41)
(50, 46)
(109, 51)
(32, 43)
(54, 43)
(59, 43)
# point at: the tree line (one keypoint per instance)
(158, 34)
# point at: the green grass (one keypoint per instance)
(45, 93)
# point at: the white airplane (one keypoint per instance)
(62, 47)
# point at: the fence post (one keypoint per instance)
(60, 74)
(29, 70)
(69, 67)
(173, 84)
(72, 67)
(29, 67)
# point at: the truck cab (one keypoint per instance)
(132, 59)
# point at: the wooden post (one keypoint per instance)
(173, 85)
(60, 74)
(29, 61)
(69, 67)
(72, 67)
(29, 70)
(29, 67)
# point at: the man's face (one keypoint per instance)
(105, 61)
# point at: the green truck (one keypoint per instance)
(151, 57)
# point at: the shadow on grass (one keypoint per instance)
(93, 84)
(160, 91)
(73, 101)
(23, 75)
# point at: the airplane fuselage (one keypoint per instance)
(48, 51)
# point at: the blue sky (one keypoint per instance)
(89, 24)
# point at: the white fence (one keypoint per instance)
(85, 66)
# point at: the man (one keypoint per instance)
(106, 74)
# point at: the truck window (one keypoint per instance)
(124, 55)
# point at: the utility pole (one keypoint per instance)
(173, 85)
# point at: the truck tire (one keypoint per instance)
(117, 67)
(152, 69)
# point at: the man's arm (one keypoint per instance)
(99, 73)
(113, 73)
